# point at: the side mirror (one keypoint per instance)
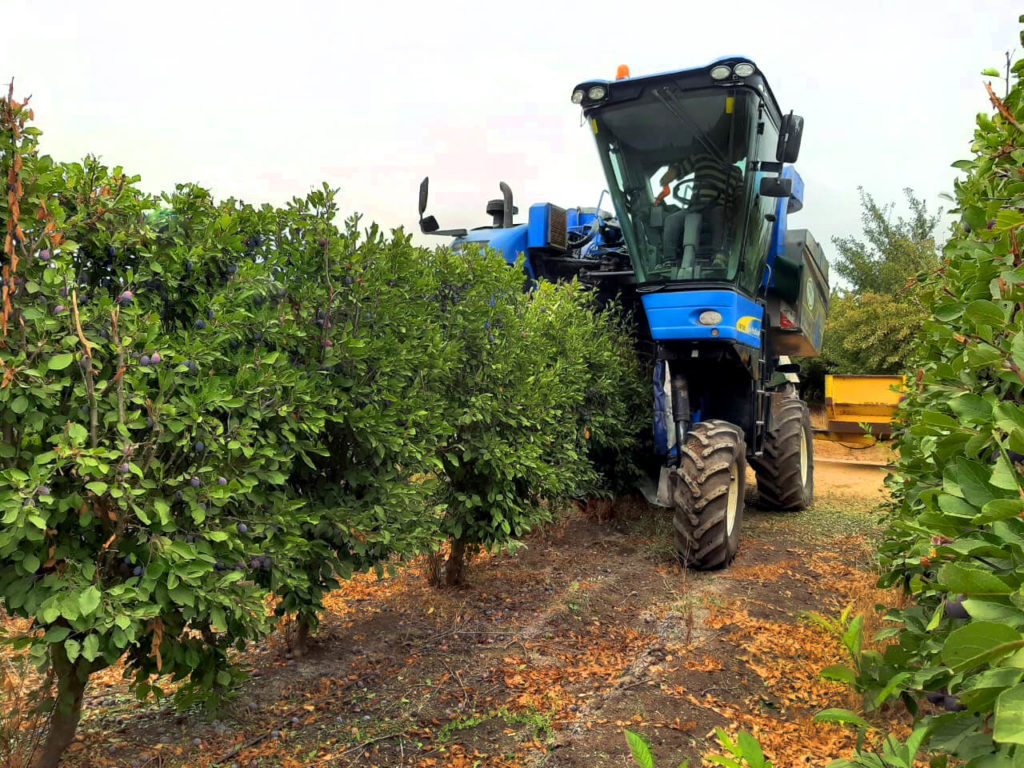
(790, 134)
(774, 186)
(429, 225)
(424, 185)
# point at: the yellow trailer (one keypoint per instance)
(855, 402)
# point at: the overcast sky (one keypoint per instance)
(263, 100)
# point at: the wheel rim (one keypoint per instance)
(804, 460)
(734, 500)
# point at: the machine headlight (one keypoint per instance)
(721, 72)
(577, 97)
(710, 317)
(744, 69)
(597, 92)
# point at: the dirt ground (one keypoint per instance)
(547, 656)
(851, 471)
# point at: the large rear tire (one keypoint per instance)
(785, 472)
(707, 494)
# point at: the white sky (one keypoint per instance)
(263, 100)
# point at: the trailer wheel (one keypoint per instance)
(707, 494)
(785, 472)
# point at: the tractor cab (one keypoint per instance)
(693, 161)
(696, 164)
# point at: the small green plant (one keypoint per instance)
(745, 751)
(894, 754)
(641, 751)
(874, 675)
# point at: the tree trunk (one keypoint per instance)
(71, 681)
(300, 640)
(455, 568)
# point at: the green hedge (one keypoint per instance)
(208, 405)
(955, 539)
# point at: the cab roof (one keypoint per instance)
(698, 78)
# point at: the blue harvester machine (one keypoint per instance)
(698, 165)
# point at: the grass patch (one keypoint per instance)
(538, 722)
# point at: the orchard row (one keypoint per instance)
(210, 407)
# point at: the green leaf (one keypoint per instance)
(91, 647)
(639, 749)
(984, 609)
(1009, 416)
(56, 635)
(839, 673)
(973, 479)
(60, 362)
(990, 72)
(962, 580)
(217, 619)
(751, 750)
(1006, 219)
(841, 716)
(77, 432)
(163, 509)
(30, 563)
(19, 405)
(1004, 475)
(972, 645)
(89, 600)
(182, 595)
(985, 313)
(999, 509)
(971, 408)
(957, 507)
(72, 648)
(1009, 716)
(97, 487)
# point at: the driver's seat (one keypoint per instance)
(695, 232)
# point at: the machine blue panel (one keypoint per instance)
(673, 315)
(540, 216)
(511, 242)
(784, 207)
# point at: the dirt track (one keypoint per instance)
(548, 655)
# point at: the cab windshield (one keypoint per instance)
(676, 163)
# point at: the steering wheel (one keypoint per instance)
(677, 193)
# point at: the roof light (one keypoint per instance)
(721, 72)
(597, 92)
(744, 69)
(622, 72)
(710, 317)
(577, 97)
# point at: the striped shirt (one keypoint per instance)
(715, 182)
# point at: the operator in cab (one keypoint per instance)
(716, 192)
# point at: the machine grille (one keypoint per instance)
(558, 228)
